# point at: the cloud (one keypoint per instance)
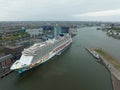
(104, 13)
(34, 9)
(57, 10)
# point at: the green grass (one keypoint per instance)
(109, 58)
(15, 37)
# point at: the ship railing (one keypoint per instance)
(33, 49)
(29, 54)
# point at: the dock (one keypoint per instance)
(113, 65)
(5, 74)
(5, 64)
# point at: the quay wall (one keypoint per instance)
(115, 74)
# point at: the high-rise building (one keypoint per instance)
(57, 31)
(65, 29)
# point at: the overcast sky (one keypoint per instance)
(60, 10)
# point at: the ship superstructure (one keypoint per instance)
(41, 52)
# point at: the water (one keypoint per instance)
(75, 69)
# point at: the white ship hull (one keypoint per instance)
(57, 51)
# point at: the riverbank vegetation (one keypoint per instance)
(113, 61)
(13, 37)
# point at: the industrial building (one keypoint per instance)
(14, 50)
(5, 64)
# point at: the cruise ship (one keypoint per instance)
(41, 52)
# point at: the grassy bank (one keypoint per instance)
(109, 58)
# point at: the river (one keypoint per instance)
(75, 69)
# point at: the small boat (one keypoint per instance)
(95, 54)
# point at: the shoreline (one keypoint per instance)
(111, 64)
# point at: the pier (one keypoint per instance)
(113, 65)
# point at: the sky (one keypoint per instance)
(60, 10)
